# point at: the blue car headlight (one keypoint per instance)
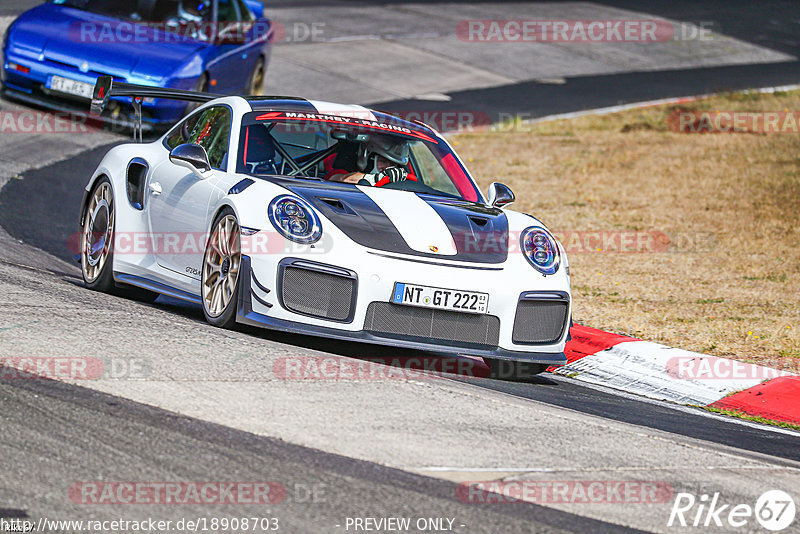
(3, 54)
(295, 219)
(540, 249)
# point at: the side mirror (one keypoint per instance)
(257, 8)
(500, 195)
(193, 157)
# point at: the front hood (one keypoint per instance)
(103, 44)
(410, 223)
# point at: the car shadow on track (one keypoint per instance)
(378, 361)
(369, 361)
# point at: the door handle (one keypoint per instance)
(155, 188)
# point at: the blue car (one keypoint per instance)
(54, 53)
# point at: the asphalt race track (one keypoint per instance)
(195, 403)
(550, 389)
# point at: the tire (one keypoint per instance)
(200, 86)
(219, 283)
(513, 370)
(97, 245)
(255, 86)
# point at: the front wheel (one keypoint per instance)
(513, 370)
(256, 83)
(220, 276)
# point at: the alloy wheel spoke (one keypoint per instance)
(218, 304)
(223, 250)
(215, 245)
(92, 235)
(233, 240)
(223, 242)
(213, 268)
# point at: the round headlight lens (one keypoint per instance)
(295, 220)
(540, 249)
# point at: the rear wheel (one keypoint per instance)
(97, 242)
(513, 370)
(97, 245)
(220, 276)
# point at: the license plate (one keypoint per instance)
(71, 87)
(440, 299)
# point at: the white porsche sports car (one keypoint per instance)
(323, 219)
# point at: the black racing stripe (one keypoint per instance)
(480, 232)
(359, 217)
(362, 220)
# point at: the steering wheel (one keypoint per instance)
(262, 167)
(386, 180)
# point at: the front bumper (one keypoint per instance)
(550, 354)
(31, 88)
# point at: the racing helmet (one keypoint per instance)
(395, 149)
(194, 10)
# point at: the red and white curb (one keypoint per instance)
(669, 374)
(665, 373)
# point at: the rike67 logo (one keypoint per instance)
(774, 510)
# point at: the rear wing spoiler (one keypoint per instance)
(106, 87)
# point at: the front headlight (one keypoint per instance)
(5, 35)
(540, 249)
(295, 219)
(3, 54)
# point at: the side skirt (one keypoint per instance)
(158, 287)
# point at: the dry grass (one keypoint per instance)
(728, 281)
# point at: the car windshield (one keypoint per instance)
(328, 147)
(173, 16)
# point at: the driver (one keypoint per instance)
(382, 159)
(194, 10)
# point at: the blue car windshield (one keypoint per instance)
(147, 11)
